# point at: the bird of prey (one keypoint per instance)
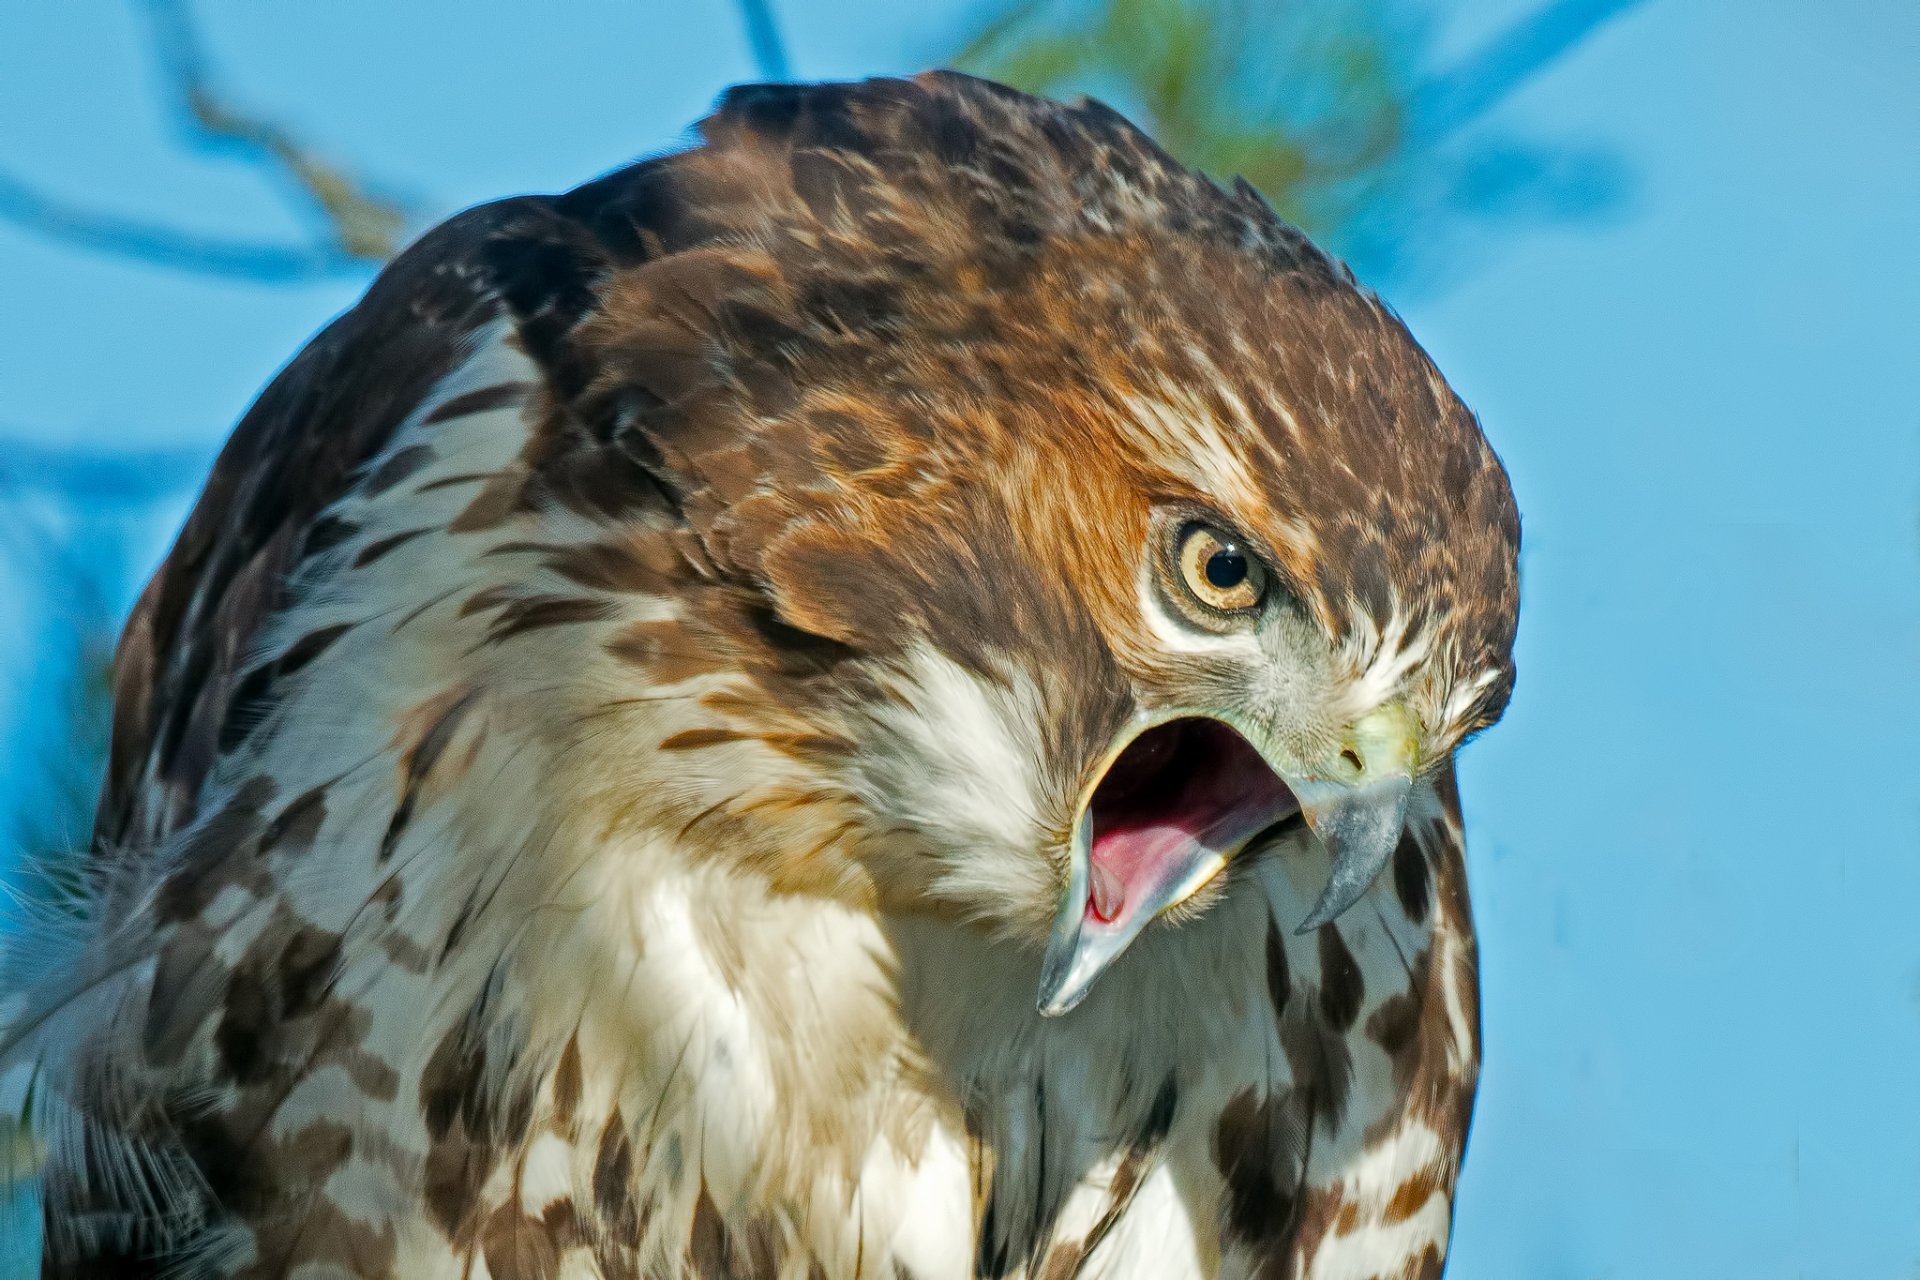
(871, 698)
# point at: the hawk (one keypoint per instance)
(871, 698)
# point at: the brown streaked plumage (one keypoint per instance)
(649, 697)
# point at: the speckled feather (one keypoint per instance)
(588, 783)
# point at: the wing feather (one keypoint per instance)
(302, 446)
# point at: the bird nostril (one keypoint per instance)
(1352, 758)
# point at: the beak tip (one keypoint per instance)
(1054, 1008)
(1339, 895)
(1314, 921)
(1060, 994)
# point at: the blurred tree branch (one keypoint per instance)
(96, 477)
(763, 34)
(1528, 47)
(152, 242)
(354, 226)
(357, 222)
(1329, 107)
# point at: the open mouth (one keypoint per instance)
(1181, 799)
(1187, 785)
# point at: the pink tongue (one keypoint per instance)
(1137, 854)
(1130, 862)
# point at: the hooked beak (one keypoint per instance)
(1180, 798)
(1360, 824)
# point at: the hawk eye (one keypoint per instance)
(1219, 572)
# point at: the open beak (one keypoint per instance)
(1179, 799)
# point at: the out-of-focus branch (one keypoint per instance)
(153, 242)
(359, 223)
(355, 227)
(763, 34)
(1458, 97)
(97, 476)
(1336, 110)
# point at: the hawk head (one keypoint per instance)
(1074, 521)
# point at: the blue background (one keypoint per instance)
(1694, 836)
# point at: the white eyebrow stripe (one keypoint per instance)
(1177, 636)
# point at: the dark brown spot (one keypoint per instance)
(1395, 1026)
(517, 1247)
(248, 706)
(457, 1168)
(496, 503)
(486, 599)
(1412, 1195)
(307, 1158)
(616, 1259)
(373, 1077)
(562, 1222)
(419, 765)
(1410, 879)
(1321, 1061)
(707, 1243)
(756, 1250)
(183, 987)
(405, 952)
(748, 1250)
(209, 858)
(1341, 987)
(1279, 976)
(318, 1236)
(397, 824)
(254, 693)
(1260, 1146)
(233, 1173)
(298, 825)
(695, 739)
(246, 1026)
(478, 402)
(427, 751)
(398, 466)
(389, 896)
(1159, 1118)
(613, 1181)
(325, 534)
(307, 963)
(566, 1084)
(378, 548)
(621, 567)
(1063, 1263)
(450, 1083)
(310, 646)
(664, 649)
(535, 613)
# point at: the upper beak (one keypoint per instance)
(1360, 824)
(1356, 806)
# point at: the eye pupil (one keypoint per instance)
(1226, 568)
(1217, 573)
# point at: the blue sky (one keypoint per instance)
(1696, 834)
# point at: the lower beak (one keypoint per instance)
(1165, 859)
(1083, 944)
